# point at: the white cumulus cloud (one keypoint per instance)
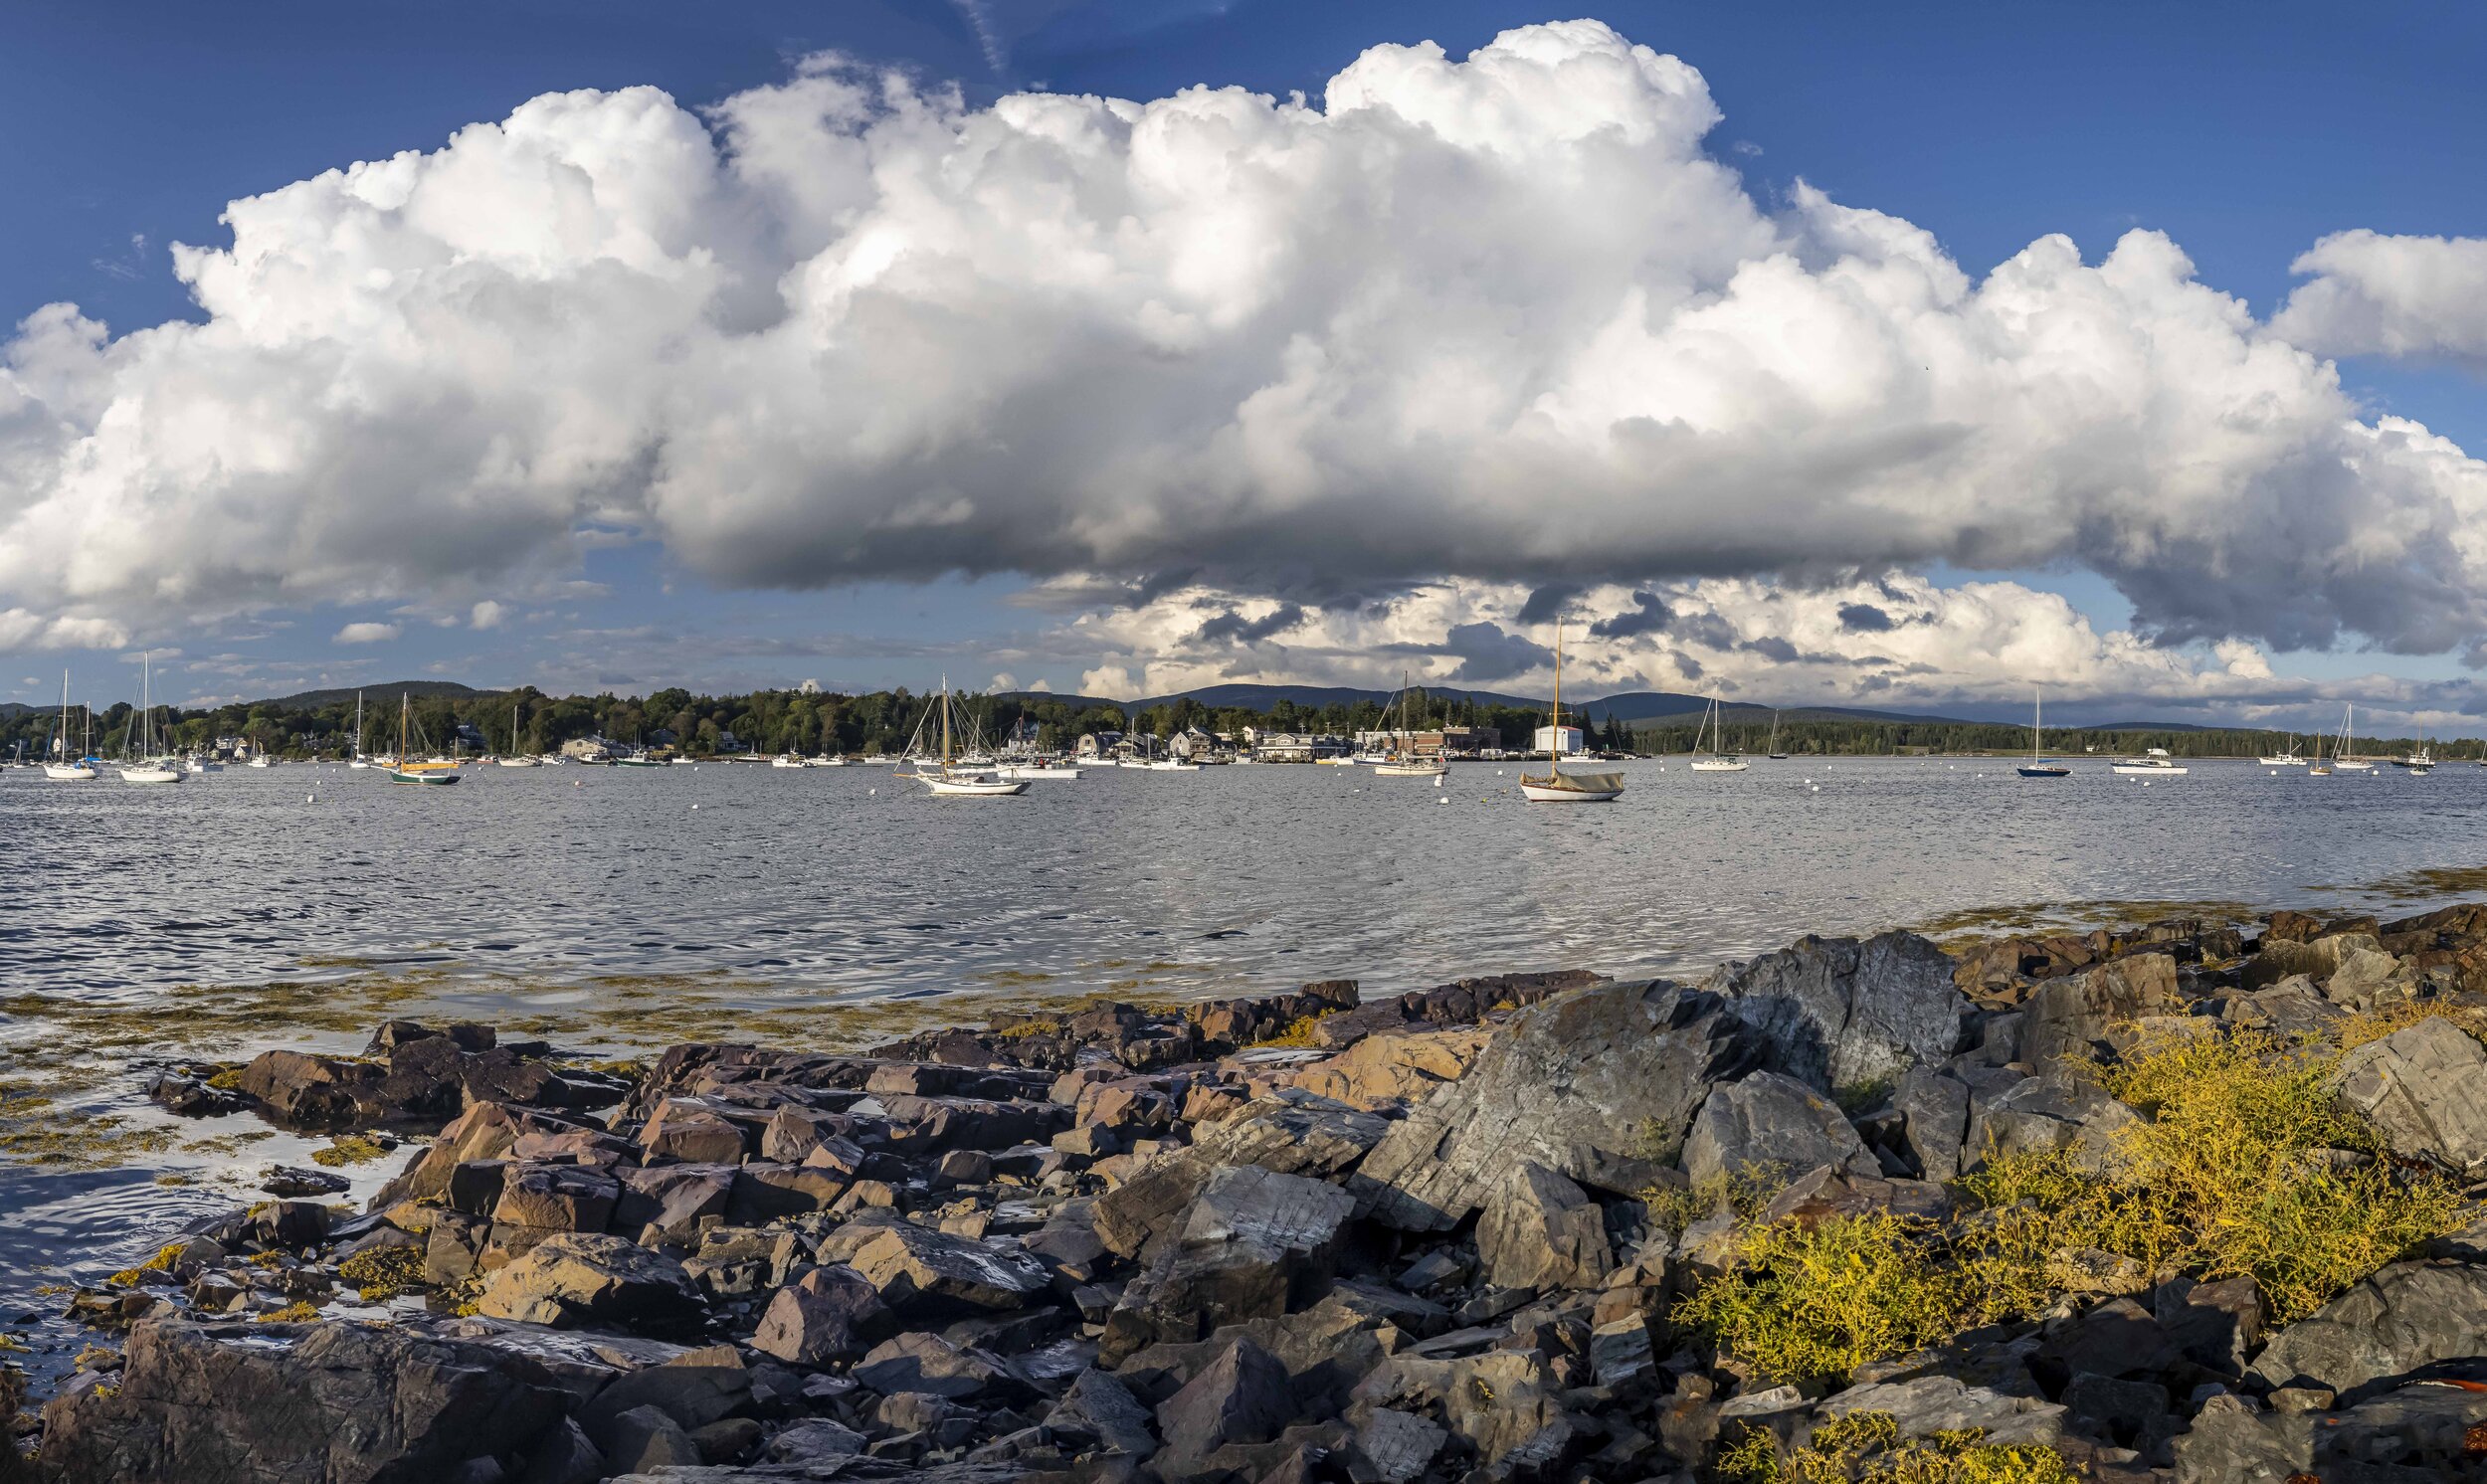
(2369, 294)
(365, 634)
(1506, 318)
(486, 615)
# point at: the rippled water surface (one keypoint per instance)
(575, 899)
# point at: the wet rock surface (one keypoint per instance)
(1440, 1236)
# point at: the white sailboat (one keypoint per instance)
(2288, 759)
(1714, 761)
(1776, 755)
(954, 780)
(1400, 762)
(1555, 786)
(360, 759)
(145, 766)
(2348, 738)
(60, 766)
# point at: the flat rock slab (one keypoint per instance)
(1836, 1013)
(2425, 1088)
(2404, 1318)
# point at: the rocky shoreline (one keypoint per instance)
(1855, 1210)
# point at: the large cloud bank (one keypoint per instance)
(1502, 318)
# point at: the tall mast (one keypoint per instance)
(945, 723)
(1554, 734)
(405, 706)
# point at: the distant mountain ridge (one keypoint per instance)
(311, 700)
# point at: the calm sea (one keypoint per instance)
(619, 908)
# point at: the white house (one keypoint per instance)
(1570, 736)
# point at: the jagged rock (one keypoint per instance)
(484, 1131)
(925, 1362)
(2407, 1317)
(1834, 1013)
(1768, 1121)
(2117, 1338)
(289, 1223)
(564, 1197)
(644, 1439)
(293, 1180)
(576, 1278)
(671, 1198)
(910, 1266)
(1287, 1133)
(693, 1133)
(2067, 1016)
(1540, 1230)
(1382, 1072)
(2214, 1325)
(1823, 1192)
(2425, 1088)
(1252, 1245)
(2292, 1009)
(331, 1403)
(1240, 1398)
(564, 1456)
(1597, 1084)
(2365, 976)
(1391, 1446)
(1942, 1404)
(2056, 1111)
(815, 1441)
(693, 1390)
(1934, 1120)
(1098, 1414)
(827, 1314)
(2413, 1434)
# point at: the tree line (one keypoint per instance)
(773, 721)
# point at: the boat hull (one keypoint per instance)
(2145, 769)
(430, 776)
(1714, 765)
(1034, 775)
(1566, 788)
(151, 775)
(2042, 769)
(68, 773)
(520, 763)
(973, 787)
(1411, 769)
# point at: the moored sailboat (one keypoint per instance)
(1400, 758)
(2036, 768)
(145, 766)
(1714, 761)
(58, 766)
(1555, 786)
(431, 771)
(954, 780)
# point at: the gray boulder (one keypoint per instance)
(2404, 1318)
(2067, 1016)
(2425, 1088)
(1597, 1084)
(2415, 1433)
(1942, 1404)
(1240, 1398)
(2056, 1111)
(1540, 1230)
(1289, 1132)
(1098, 1414)
(331, 1403)
(1834, 1013)
(1254, 1244)
(578, 1279)
(1934, 1120)
(829, 1314)
(913, 1267)
(1768, 1121)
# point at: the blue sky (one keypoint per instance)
(2245, 132)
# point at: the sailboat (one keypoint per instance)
(517, 759)
(1776, 755)
(1555, 786)
(360, 759)
(66, 769)
(953, 780)
(1402, 761)
(2320, 768)
(2037, 728)
(2288, 759)
(2339, 755)
(405, 772)
(1715, 761)
(145, 766)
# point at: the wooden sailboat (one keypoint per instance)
(2034, 768)
(1402, 762)
(403, 770)
(145, 766)
(57, 764)
(1714, 761)
(1555, 786)
(957, 780)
